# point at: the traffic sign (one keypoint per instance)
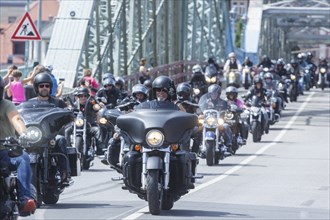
(26, 30)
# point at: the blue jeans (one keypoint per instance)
(24, 173)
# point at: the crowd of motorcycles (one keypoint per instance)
(155, 158)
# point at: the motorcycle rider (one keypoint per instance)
(309, 61)
(261, 92)
(232, 63)
(323, 63)
(187, 104)
(109, 91)
(247, 62)
(295, 70)
(120, 85)
(231, 94)
(266, 62)
(198, 79)
(11, 121)
(139, 95)
(283, 74)
(86, 107)
(212, 98)
(42, 84)
(211, 72)
(148, 83)
(271, 85)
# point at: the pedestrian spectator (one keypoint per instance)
(15, 88)
(8, 77)
(90, 82)
(60, 88)
(144, 73)
(49, 70)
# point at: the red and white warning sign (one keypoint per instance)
(26, 30)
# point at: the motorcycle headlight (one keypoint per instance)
(322, 70)
(34, 134)
(229, 115)
(213, 79)
(103, 121)
(155, 138)
(221, 121)
(280, 86)
(197, 91)
(211, 121)
(79, 122)
(293, 77)
(96, 107)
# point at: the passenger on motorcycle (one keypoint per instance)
(42, 84)
(258, 90)
(231, 94)
(86, 107)
(109, 91)
(11, 121)
(213, 100)
(139, 95)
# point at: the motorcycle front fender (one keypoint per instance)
(154, 163)
(210, 135)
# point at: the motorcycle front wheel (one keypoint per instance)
(153, 192)
(210, 152)
(256, 131)
(36, 182)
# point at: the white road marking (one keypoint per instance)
(145, 209)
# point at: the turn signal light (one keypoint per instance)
(175, 147)
(137, 147)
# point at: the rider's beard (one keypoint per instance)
(44, 93)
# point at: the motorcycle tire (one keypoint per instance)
(256, 128)
(210, 152)
(167, 201)
(51, 198)
(153, 192)
(36, 182)
(84, 162)
(322, 84)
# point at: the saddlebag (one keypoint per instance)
(74, 161)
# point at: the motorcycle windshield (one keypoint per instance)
(172, 123)
(44, 115)
(205, 103)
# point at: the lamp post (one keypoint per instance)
(244, 21)
(233, 15)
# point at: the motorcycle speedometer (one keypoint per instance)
(34, 134)
(155, 138)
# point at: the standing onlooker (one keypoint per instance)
(8, 77)
(49, 70)
(90, 82)
(144, 73)
(15, 88)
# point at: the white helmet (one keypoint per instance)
(232, 54)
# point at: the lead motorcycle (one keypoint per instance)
(157, 168)
(43, 122)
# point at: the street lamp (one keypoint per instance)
(233, 15)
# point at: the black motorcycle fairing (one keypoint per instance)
(46, 116)
(172, 123)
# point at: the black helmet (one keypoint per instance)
(108, 75)
(2, 86)
(81, 91)
(183, 91)
(108, 81)
(43, 77)
(165, 83)
(140, 88)
(120, 81)
(214, 88)
(231, 90)
(257, 79)
(147, 83)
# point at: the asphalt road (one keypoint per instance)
(285, 176)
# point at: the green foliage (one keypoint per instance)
(238, 33)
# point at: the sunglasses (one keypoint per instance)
(44, 85)
(82, 96)
(160, 90)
